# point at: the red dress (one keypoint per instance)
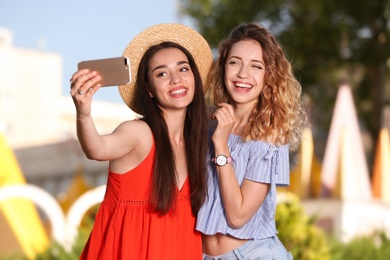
(125, 227)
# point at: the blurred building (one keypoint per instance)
(39, 122)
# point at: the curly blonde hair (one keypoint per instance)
(280, 113)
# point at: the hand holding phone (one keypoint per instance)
(113, 71)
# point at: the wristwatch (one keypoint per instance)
(222, 160)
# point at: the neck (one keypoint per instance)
(175, 123)
(242, 113)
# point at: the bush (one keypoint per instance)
(298, 232)
(375, 247)
(56, 251)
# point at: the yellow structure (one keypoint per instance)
(381, 171)
(77, 188)
(21, 229)
(305, 177)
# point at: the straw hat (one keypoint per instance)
(177, 33)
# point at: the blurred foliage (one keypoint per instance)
(328, 42)
(362, 248)
(56, 251)
(298, 232)
(300, 235)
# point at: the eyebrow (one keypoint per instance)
(236, 57)
(165, 66)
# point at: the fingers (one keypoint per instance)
(225, 112)
(77, 75)
(89, 91)
(222, 113)
(225, 123)
(227, 108)
(84, 82)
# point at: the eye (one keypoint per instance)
(184, 69)
(260, 67)
(161, 74)
(233, 62)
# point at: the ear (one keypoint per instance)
(150, 92)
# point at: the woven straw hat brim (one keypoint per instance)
(178, 33)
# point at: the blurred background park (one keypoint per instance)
(338, 204)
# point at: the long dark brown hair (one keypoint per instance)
(164, 189)
(279, 112)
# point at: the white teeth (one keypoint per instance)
(243, 85)
(179, 91)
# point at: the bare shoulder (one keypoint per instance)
(134, 144)
(133, 125)
(136, 130)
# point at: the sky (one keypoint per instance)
(84, 29)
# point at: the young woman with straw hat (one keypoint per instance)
(156, 177)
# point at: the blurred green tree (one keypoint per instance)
(299, 233)
(375, 246)
(328, 42)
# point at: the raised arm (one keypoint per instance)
(240, 202)
(95, 146)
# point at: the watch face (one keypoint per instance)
(221, 160)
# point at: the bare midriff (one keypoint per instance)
(219, 244)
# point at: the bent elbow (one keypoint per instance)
(95, 157)
(89, 157)
(235, 222)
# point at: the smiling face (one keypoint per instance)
(171, 79)
(244, 72)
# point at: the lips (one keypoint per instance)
(243, 85)
(178, 92)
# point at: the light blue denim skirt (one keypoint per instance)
(263, 249)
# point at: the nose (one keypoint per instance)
(175, 78)
(243, 71)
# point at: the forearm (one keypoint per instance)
(232, 198)
(230, 189)
(240, 200)
(90, 140)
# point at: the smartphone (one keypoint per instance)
(114, 71)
